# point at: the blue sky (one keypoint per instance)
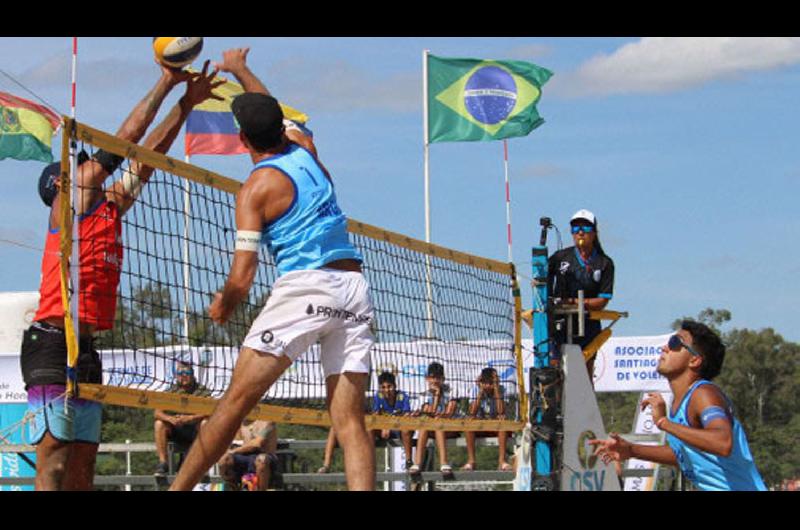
(685, 148)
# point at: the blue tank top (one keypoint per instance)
(313, 230)
(735, 472)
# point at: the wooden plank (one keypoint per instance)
(203, 405)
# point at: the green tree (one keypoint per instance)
(713, 318)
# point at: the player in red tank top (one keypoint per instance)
(66, 438)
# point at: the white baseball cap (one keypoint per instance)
(586, 215)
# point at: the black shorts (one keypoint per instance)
(183, 435)
(43, 358)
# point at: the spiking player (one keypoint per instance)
(704, 438)
(288, 202)
(66, 440)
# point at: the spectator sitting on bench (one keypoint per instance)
(438, 403)
(175, 427)
(253, 464)
(487, 403)
(389, 400)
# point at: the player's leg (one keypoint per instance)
(51, 463)
(80, 467)
(346, 406)
(254, 373)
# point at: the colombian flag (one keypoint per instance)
(26, 129)
(211, 129)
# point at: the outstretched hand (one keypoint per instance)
(174, 76)
(200, 85)
(233, 60)
(613, 448)
(657, 404)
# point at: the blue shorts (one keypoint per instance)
(79, 423)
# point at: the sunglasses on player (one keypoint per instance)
(586, 229)
(184, 372)
(675, 344)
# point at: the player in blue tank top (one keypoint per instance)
(288, 203)
(704, 438)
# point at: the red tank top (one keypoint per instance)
(101, 261)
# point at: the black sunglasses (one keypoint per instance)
(675, 344)
(586, 229)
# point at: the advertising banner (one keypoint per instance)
(628, 364)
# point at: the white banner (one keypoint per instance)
(628, 364)
(16, 314)
(154, 369)
(12, 389)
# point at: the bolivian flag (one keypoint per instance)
(26, 129)
(212, 130)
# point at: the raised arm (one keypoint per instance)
(235, 62)
(198, 89)
(93, 173)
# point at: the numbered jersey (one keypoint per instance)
(313, 230)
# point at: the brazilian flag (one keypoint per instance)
(482, 100)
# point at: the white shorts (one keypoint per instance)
(325, 305)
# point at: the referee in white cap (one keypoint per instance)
(584, 266)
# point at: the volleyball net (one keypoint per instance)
(432, 304)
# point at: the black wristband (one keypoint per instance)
(109, 161)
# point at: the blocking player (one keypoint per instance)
(67, 434)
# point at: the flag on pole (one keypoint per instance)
(26, 129)
(482, 100)
(212, 130)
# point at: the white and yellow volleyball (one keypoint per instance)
(177, 52)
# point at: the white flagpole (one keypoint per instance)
(429, 321)
(425, 136)
(508, 201)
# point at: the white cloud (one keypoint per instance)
(666, 64)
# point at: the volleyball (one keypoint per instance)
(177, 52)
